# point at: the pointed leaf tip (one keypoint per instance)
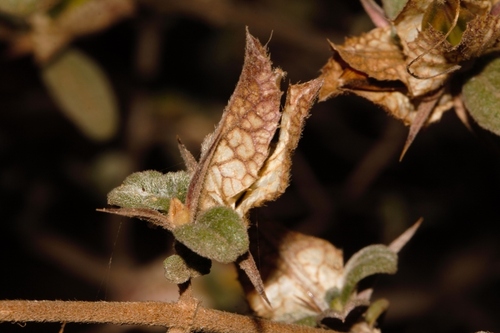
(370, 260)
(397, 244)
(234, 153)
(247, 264)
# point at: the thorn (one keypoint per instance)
(187, 157)
(376, 13)
(461, 112)
(424, 110)
(247, 264)
(408, 142)
(414, 129)
(397, 244)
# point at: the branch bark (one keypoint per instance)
(188, 316)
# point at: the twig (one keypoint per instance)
(142, 313)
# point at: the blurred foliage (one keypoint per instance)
(173, 65)
(482, 98)
(83, 93)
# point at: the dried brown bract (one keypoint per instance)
(407, 67)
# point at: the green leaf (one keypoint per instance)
(481, 96)
(373, 259)
(218, 234)
(83, 93)
(375, 310)
(150, 189)
(185, 265)
(176, 269)
(393, 7)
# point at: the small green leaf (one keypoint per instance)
(218, 234)
(150, 189)
(481, 95)
(375, 310)
(176, 269)
(393, 7)
(185, 265)
(373, 259)
(83, 93)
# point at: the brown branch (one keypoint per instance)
(179, 315)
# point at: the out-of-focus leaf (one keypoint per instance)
(376, 13)
(83, 93)
(393, 7)
(375, 310)
(66, 5)
(53, 29)
(24, 8)
(481, 95)
(109, 169)
(83, 17)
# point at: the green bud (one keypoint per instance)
(176, 269)
(185, 265)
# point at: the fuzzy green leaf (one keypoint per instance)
(184, 266)
(150, 189)
(218, 234)
(84, 94)
(373, 259)
(176, 269)
(481, 95)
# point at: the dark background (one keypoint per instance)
(347, 184)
